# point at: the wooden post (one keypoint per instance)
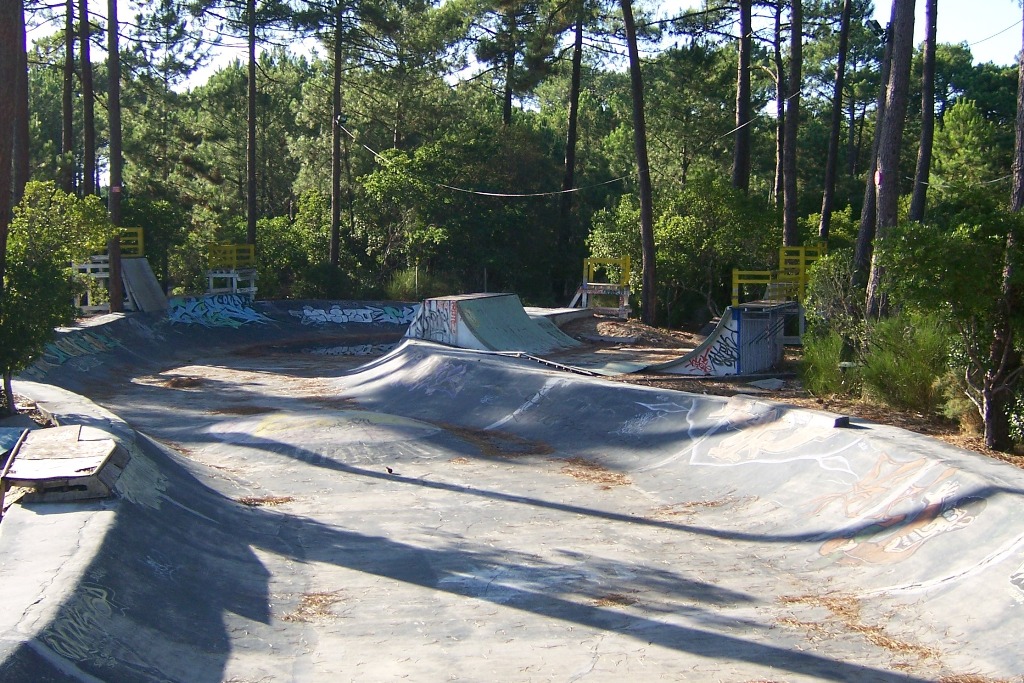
(114, 286)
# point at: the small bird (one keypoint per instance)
(390, 471)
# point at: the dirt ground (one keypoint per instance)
(601, 329)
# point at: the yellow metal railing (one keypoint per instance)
(591, 265)
(230, 256)
(132, 243)
(788, 283)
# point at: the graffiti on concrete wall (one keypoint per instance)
(70, 633)
(358, 350)
(367, 313)
(78, 350)
(438, 321)
(216, 310)
(895, 509)
(721, 356)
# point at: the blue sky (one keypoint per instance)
(992, 28)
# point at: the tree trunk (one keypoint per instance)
(569, 175)
(336, 133)
(851, 139)
(250, 148)
(67, 144)
(8, 111)
(88, 103)
(116, 192)
(741, 151)
(889, 143)
(350, 237)
(11, 66)
(506, 100)
(790, 210)
(22, 166)
(649, 295)
(1004, 360)
(924, 153)
(866, 232)
(780, 104)
(832, 160)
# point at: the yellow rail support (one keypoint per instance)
(788, 283)
(132, 243)
(590, 287)
(230, 256)
(748, 277)
(591, 265)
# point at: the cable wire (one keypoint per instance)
(382, 160)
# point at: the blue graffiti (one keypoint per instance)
(77, 349)
(217, 310)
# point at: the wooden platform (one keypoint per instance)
(64, 464)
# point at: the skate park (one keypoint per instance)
(300, 491)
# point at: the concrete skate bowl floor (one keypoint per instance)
(445, 514)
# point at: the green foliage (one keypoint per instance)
(832, 302)
(703, 231)
(415, 284)
(50, 231)
(842, 230)
(37, 297)
(968, 148)
(444, 207)
(1017, 420)
(906, 356)
(50, 225)
(616, 233)
(823, 371)
(164, 225)
(957, 404)
(324, 281)
(953, 266)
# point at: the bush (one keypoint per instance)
(50, 231)
(957, 405)
(414, 284)
(324, 281)
(833, 303)
(905, 358)
(822, 373)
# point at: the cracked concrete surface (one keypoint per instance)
(439, 514)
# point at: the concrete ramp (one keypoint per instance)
(748, 339)
(447, 514)
(487, 322)
(141, 285)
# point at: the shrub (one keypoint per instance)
(822, 373)
(833, 303)
(957, 404)
(905, 358)
(414, 284)
(324, 281)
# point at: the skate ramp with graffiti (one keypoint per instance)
(747, 339)
(446, 513)
(487, 322)
(120, 345)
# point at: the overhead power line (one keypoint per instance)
(383, 160)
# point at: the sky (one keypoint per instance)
(992, 28)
